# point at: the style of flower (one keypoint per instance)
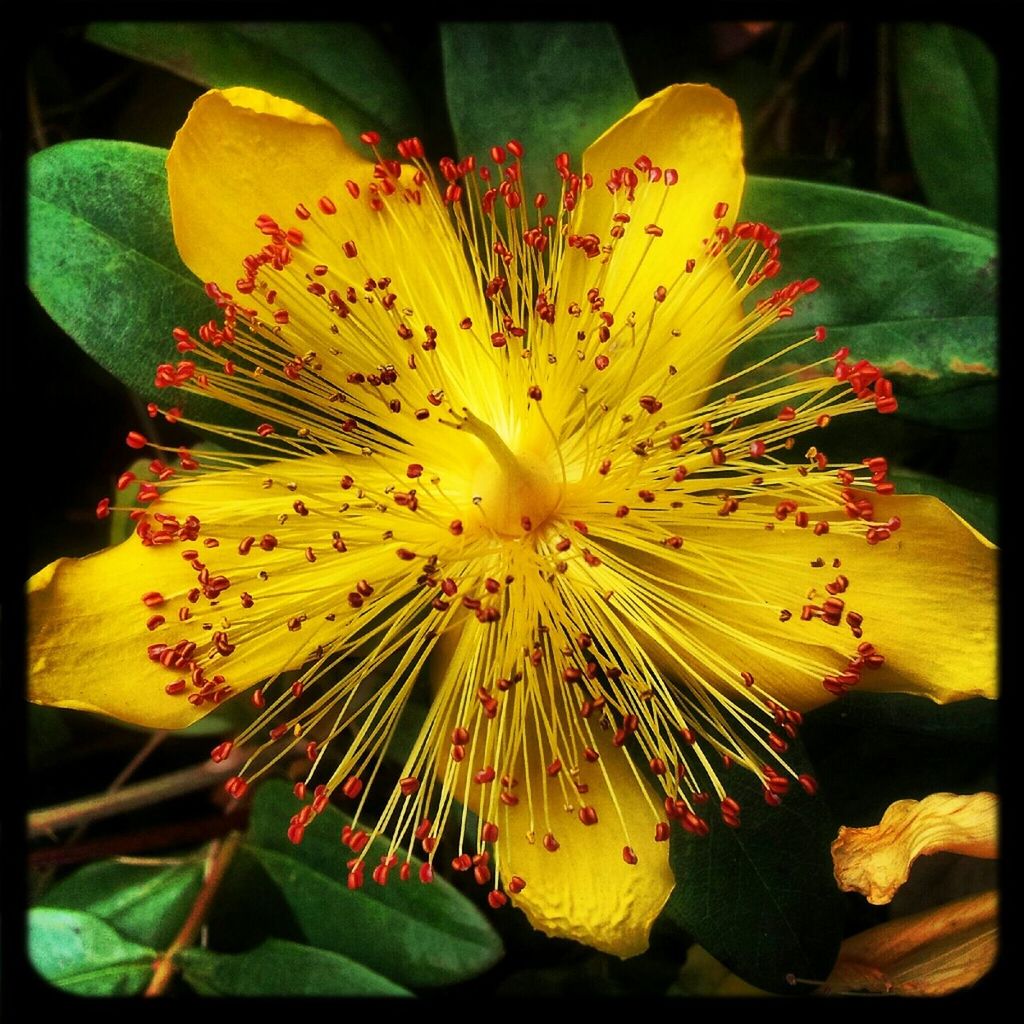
(494, 444)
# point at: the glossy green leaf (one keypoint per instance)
(947, 82)
(980, 510)
(279, 968)
(554, 86)
(82, 954)
(417, 935)
(761, 898)
(146, 904)
(102, 261)
(336, 69)
(918, 300)
(784, 203)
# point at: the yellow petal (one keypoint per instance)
(243, 153)
(927, 596)
(876, 861)
(928, 954)
(694, 130)
(88, 625)
(585, 890)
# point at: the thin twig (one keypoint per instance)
(142, 794)
(216, 866)
(35, 118)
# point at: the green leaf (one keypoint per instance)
(146, 904)
(554, 86)
(82, 954)
(980, 510)
(335, 69)
(947, 81)
(761, 898)
(279, 968)
(418, 935)
(903, 747)
(918, 300)
(102, 261)
(783, 203)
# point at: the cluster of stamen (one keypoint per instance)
(530, 473)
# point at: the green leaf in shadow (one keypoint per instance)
(280, 968)
(417, 935)
(338, 70)
(554, 86)
(947, 83)
(761, 898)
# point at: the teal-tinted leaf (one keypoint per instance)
(917, 300)
(102, 261)
(761, 898)
(947, 81)
(146, 904)
(554, 86)
(418, 935)
(784, 203)
(84, 955)
(338, 70)
(980, 510)
(279, 968)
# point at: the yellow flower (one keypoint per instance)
(494, 428)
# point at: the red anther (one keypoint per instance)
(588, 815)
(809, 784)
(409, 785)
(154, 621)
(296, 832)
(770, 798)
(515, 885)
(601, 362)
(222, 750)
(688, 735)
(414, 471)
(326, 205)
(178, 686)
(628, 855)
(590, 753)
(787, 413)
(485, 775)
(463, 862)
(777, 743)
(721, 209)
(489, 832)
(152, 599)
(692, 823)
(717, 456)
(236, 786)
(482, 874)
(820, 528)
(820, 333)
(730, 806)
(355, 877)
(496, 899)
(135, 440)
(352, 787)
(299, 789)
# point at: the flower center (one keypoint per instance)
(514, 492)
